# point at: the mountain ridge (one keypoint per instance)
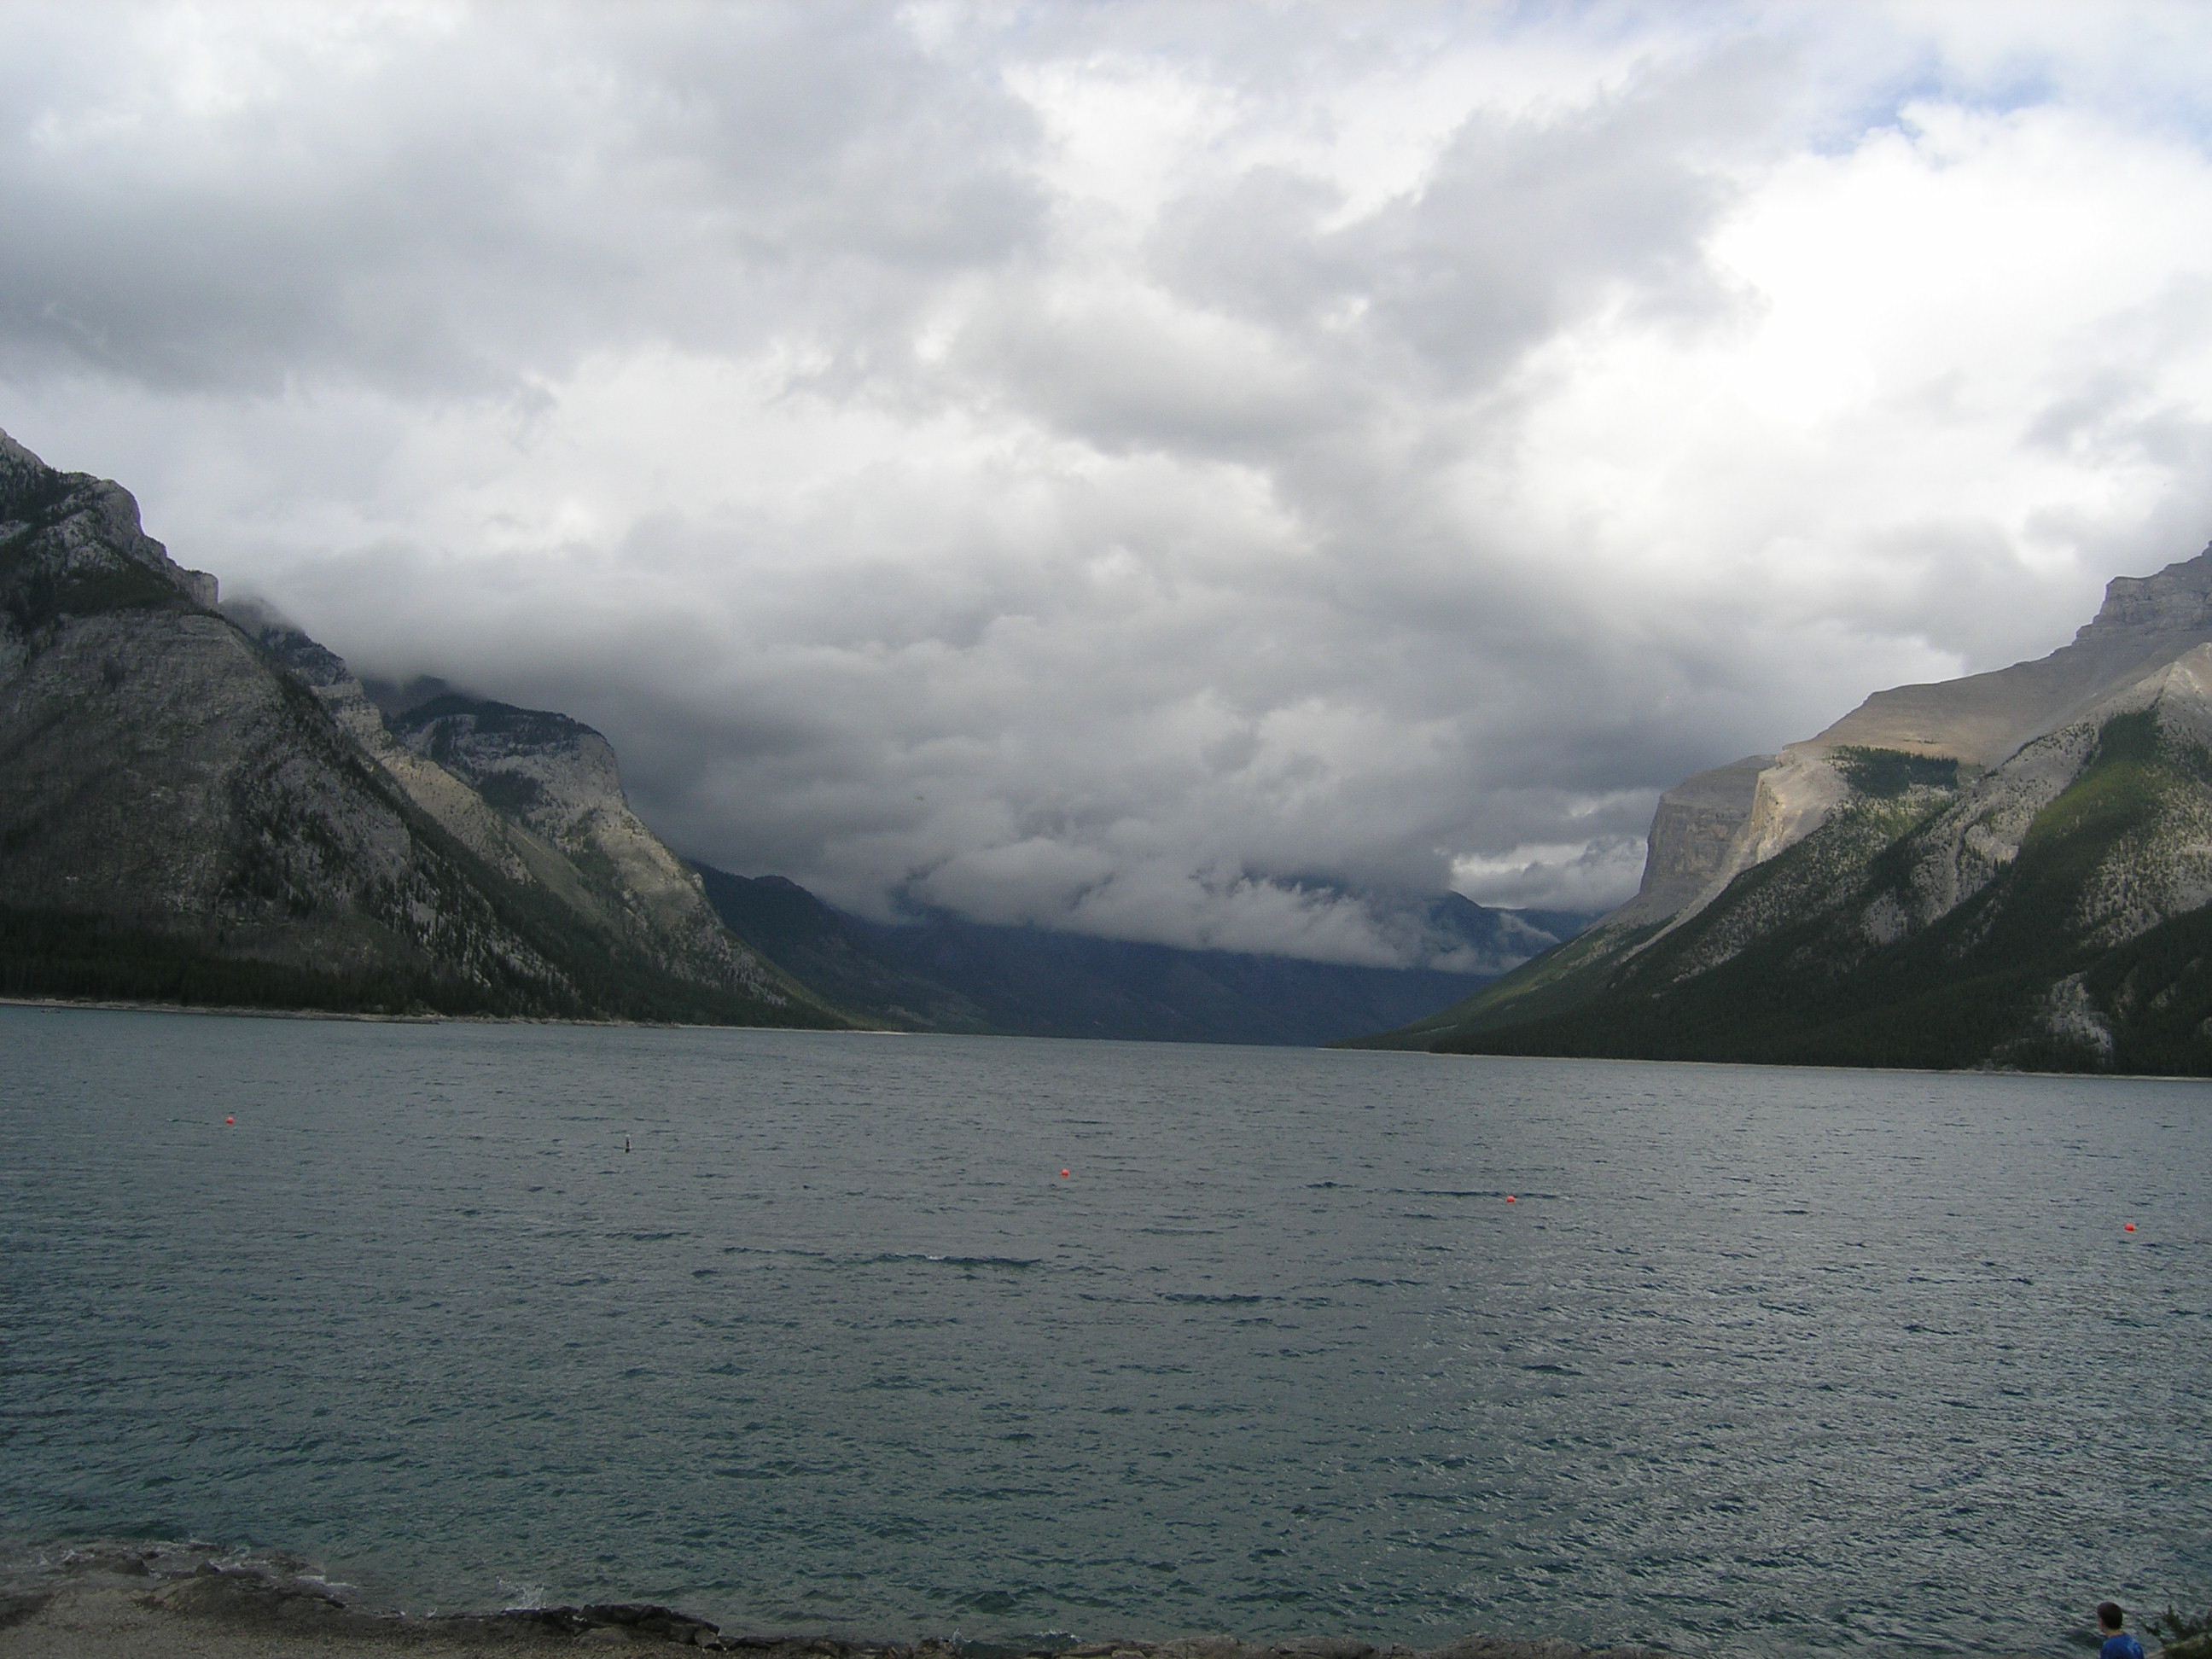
(1996, 871)
(934, 971)
(203, 807)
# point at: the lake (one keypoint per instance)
(903, 1335)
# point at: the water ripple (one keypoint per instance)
(1771, 1362)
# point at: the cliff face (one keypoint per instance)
(1713, 827)
(538, 797)
(2010, 868)
(71, 544)
(556, 780)
(1697, 840)
(204, 807)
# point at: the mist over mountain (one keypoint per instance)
(935, 972)
(206, 804)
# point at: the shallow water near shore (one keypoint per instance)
(1754, 1361)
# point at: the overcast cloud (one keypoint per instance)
(1139, 469)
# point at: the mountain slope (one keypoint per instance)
(837, 954)
(2007, 869)
(555, 787)
(186, 817)
(539, 796)
(941, 973)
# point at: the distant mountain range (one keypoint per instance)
(204, 806)
(937, 972)
(2010, 870)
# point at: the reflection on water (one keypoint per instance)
(1758, 1360)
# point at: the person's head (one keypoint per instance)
(2109, 1616)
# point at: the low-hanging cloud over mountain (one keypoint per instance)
(1160, 470)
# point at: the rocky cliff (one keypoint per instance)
(556, 781)
(540, 798)
(2009, 868)
(203, 807)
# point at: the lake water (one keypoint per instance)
(1755, 1361)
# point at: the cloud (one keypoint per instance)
(1179, 473)
(435, 201)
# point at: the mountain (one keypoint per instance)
(2010, 869)
(205, 804)
(202, 805)
(937, 972)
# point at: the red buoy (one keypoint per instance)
(1510, 1199)
(230, 1120)
(1063, 1174)
(2132, 1226)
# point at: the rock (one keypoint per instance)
(1325, 1647)
(1693, 839)
(1712, 827)
(17, 1605)
(616, 1623)
(70, 540)
(242, 1595)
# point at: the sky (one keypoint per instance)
(1173, 471)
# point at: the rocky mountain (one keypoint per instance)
(2009, 869)
(937, 972)
(202, 805)
(205, 804)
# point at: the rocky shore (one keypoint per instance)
(118, 1605)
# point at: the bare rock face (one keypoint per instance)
(185, 721)
(1695, 839)
(322, 671)
(162, 778)
(2176, 601)
(1715, 826)
(2146, 622)
(556, 779)
(68, 538)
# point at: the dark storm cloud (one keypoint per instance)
(1151, 469)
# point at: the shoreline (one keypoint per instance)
(142, 1603)
(248, 1012)
(230, 1012)
(128, 1604)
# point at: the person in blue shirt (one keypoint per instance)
(2118, 1645)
